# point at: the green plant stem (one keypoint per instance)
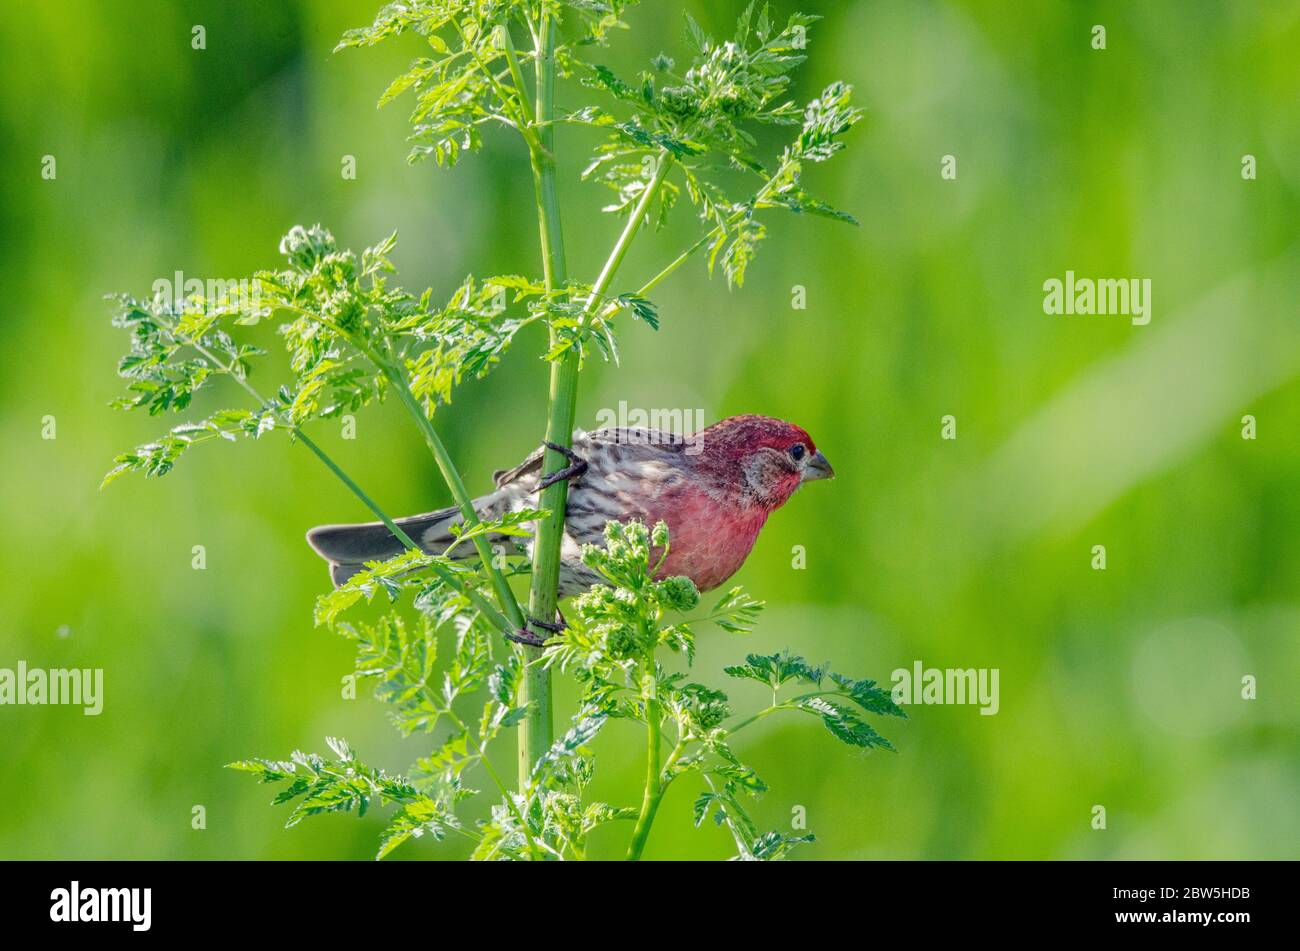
(677, 262)
(521, 119)
(790, 704)
(496, 778)
(484, 606)
(464, 502)
(760, 715)
(355, 489)
(517, 77)
(705, 239)
(664, 163)
(536, 732)
(480, 602)
(649, 810)
(391, 367)
(559, 430)
(654, 787)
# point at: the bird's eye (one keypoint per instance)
(797, 451)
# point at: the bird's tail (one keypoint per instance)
(348, 547)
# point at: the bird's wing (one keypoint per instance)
(587, 443)
(636, 436)
(532, 465)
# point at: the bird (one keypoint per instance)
(714, 489)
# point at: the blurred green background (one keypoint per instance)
(1118, 687)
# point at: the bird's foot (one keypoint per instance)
(559, 624)
(577, 466)
(525, 636)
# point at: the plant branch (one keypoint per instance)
(681, 259)
(758, 716)
(464, 501)
(496, 779)
(513, 103)
(480, 602)
(705, 239)
(663, 164)
(516, 74)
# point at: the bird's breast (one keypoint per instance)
(710, 536)
(708, 542)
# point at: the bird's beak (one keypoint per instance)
(817, 468)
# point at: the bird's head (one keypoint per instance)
(767, 458)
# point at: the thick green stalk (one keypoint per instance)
(536, 732)
(559, 430)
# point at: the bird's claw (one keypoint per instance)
(577, 466)
(559, 624)
(525, 636)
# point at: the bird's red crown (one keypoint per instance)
(738, 436)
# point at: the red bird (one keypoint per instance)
(715, 491)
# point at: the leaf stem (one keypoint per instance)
(681, 259)
(758, 716)
(521, 118)
(464, 501)
(485, 607)
(496, 778)
(480, 602)
(664, 163)
(705, 239)
(391, 366)
(517, 76)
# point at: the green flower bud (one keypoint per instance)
(659, 537)
(594, 603)
(678, 593)
(305, 246)
(621, 641)
(594, 556)
(637, 534)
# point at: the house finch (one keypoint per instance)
(714, 490)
